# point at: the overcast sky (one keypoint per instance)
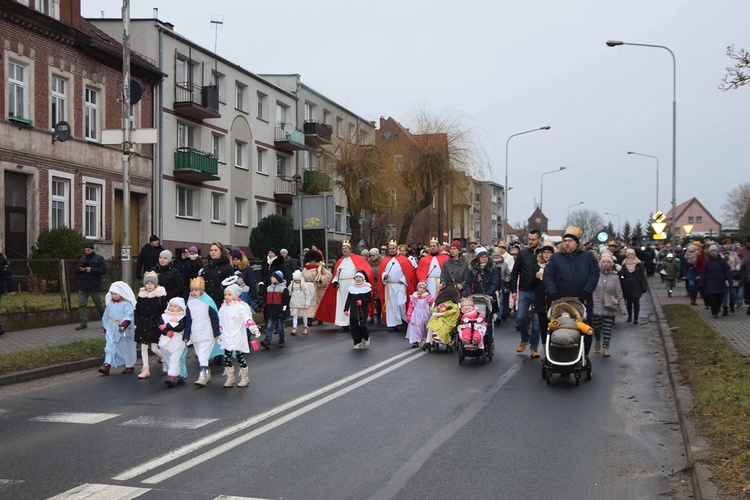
(508, 67)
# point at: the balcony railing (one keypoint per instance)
(286, 187)
(196, 101)
(288, 138)
(194, 164)
(317, 134)
(313, 180)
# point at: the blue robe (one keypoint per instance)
(120, 348)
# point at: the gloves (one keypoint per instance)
(554, 296)
(169, 334)
(346, 313)
(359, 302)
(162, 326)
(584, 297)
(335, 285)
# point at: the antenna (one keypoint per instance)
(217, 23)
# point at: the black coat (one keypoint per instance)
(91, 281)
(6, 278)
(633, 284)
(267, 270)
(523, 276)
(171, 279)
(148, 259)
(188, 269)
(714, 275)
(148, 310)
(214, 273)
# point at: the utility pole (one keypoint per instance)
(125, 253)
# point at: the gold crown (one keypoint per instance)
(198, 283)
(575, 231)
(346, 243)
(434, 240)
(392, 242)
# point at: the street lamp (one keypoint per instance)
(571, 206)
(615, 43)
(541, 190)
(505, 201)
(657, 175)
(618, 222)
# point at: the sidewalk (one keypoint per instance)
(40, 338)
(735, 328)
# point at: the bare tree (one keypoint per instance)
(739, 74)
(738, 202)
(589, 221)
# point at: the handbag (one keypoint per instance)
(610, 303)
(736, 275)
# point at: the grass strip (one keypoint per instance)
(28, 360)
(719, 380)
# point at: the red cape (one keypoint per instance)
(423, 268)
(327, 308)
(406, 268)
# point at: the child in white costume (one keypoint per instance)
(172, 325)
(300, 298)
(201, 327)
(235, 318)
(117, 321)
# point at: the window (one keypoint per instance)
(260, 211)
(91, 114)
(282, 114)
(262, 161)
(240, 154)
(281, 166)
(262, 106)
(338, 217)
(217, 145)
(60, 203)
(240, 212)
(690, 220)
(217, 207)
(49, 7)
(390, 231)
(699, 220)
(218, 80)
(18, 90)
(309, 160)
(391, 192)
(352, 132)
(186, 202)
(183, 75)
(339, 127)
(309, 112)
(92, 210)
(240, 101)
(185, 135)
(398, 162)
(326, 117)
(283, 211)
(59, 98)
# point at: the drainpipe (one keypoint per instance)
(160, 135)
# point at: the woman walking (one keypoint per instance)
(608, 301)
(634, 284)
(715, 278)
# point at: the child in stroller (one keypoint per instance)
(564, 347)
(441, 328)
(473, 325)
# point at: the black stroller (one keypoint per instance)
(564, 348)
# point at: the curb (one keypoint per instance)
(48, 371)
(699, 474)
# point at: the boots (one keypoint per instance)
(202, 378)
(145, 372)
(725, 312)
(605, 352)
(229, 374)
(208, 375)
(244, 378)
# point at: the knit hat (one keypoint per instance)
(479, 251)
(235, 290)
(278, 275)
(274, 250)
(166, 253)
(422, 283)
(574, 233)
(193, 250)
(456, 244)
(670, 256)
(713, 248)
(153, 238)
(89, 244)
(237, 255)
(151, 277)
(297, 275)
(374, 251)
(548, 245)
(284, 251)
(606, 256)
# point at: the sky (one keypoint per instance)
(506, 67)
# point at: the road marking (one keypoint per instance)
(9, 482)
(75, 418)
(212, 438)
(170, 423)
(412, 466)
(108, 491)
(218, 450)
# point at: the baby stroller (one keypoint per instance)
(564, 347)
(441, 328)
(475, 323)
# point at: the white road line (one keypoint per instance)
(212, 438)
(225, 497)
(204, 457)
(75, 418)
(101, 491)
(9, 482)
(170, 423)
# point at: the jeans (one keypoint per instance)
(83, 297)
(525, 300)
(730, 297)
(279, 323)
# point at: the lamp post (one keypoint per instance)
(615, 43)
(571, 206)
(541, 190)
(505, 201)
(657, 175)
(618, 222)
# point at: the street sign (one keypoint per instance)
(659, 227)
(688, 228)
(660, 236)
(125, 253)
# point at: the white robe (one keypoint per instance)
(173, 348)
(201, 331)
(433, 278)
(232, 319)
(344, 276)
(395, 294)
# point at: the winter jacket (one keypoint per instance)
(148, 259)
(523, 276)
(454, 272)
(672, 267)
(609, 283)
(571, 275)
(91, 281)
(6, 278)
(214, 273)
(300, 294)
(266, 270)
(276, 300)
(171, 279)
(714, 275)
(481, 280)
(188, 269)
(633, 284)
(148, 310)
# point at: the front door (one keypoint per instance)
(16, 215)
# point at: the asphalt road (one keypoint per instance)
(322, 421)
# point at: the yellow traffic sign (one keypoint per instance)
(659, 227)
(688, 228)
(658, 216)
(660, 236)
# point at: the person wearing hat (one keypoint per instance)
(246, 278)
(169, 277)
(89, 270)
(483, 278)
(608, 301)
(272, 263)
(275, 308)
(471, 250)
(715, 279)
(455, 268)
(201, 327)
(670, 268)
(356, 307)
(430, 267)
(634, 283)
(523, 281)
(397, 283)
(149, 306)
(289, 265)
(148, 258)
(374, 259)
(331, 308)
(573, 272)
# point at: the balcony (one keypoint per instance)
(285, 188)
(289, 139)
(191, 164)
(314, 182)
(317, 134)
(196, 101)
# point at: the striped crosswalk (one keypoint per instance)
(92, 418)
(118, 492)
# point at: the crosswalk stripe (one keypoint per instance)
(9, 482)
(75, 417)
(170, 423)
(96, 491)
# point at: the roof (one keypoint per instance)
(684, 206)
